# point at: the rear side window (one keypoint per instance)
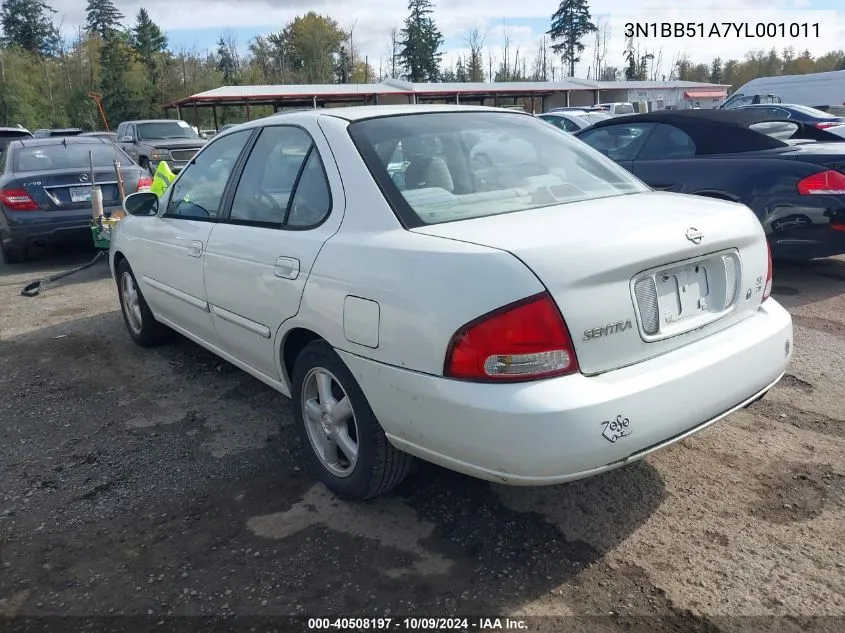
(283, 182)
(66, 156)
(667, 141)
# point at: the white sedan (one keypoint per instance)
(527, 326)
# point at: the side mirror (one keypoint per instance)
(127, 139)
(141, 203)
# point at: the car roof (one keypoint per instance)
(712, 131)
(135, 122)
(19, 130)
(59, 140)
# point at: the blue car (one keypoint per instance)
(802, 113)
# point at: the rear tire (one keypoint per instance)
(139, 320)
(11, 254)
(331, 412)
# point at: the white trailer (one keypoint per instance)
(825, 91)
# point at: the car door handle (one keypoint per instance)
(286, 268)
(195, 249)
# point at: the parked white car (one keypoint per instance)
(528, 328)
(572, 121)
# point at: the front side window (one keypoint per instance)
(279, 181)
(460, 165)
(619, 142)
(198, 192)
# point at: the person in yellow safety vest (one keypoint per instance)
(162, 179)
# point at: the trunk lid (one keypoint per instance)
(634, 276)
(828, 155)
(67, 190)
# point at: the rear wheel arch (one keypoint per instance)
(294, 342)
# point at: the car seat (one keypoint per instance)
(427, 172)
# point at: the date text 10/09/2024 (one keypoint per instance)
(416, 624)
(721, 29)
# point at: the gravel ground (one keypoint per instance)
(166, 482)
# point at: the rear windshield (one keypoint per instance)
(592, 117)
(164, 130)
(624, 108)
(441, 167)
(70, 156)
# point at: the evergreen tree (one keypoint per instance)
(227, 62)
(147, 38)
(150, 45)
(461, 73)
(27, 25)
(103, 17)
(716, 71)
(342, 69)
(570, 24)
(421, 41)
(115, 59)
(630, 60)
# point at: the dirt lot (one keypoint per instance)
(167, 482)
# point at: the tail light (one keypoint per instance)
(18, 200)
(826, 124)
(767, 290)
(145, 184)
(825, 182)
(526, 340)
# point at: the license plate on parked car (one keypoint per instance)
(80, 194)
(682, 292)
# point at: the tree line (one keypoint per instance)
(50, 80)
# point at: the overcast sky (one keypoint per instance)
(197, 24)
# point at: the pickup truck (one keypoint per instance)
(152, 141)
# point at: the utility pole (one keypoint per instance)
(352, 50)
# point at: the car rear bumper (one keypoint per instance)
(558, 430)
(25, 228)
(811, 243)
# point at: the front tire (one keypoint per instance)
(139, 320)
(344, 443)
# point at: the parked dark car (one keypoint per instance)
(8, 134)
(152, 141)
(45, 190)
(796, 185)
(69, 131)
(802, 113)
(111, 137)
